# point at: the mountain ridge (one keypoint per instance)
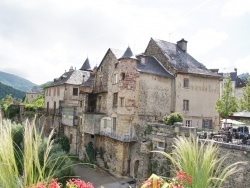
(16, 82)
(8, 90)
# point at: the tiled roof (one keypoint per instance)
(152, 66)
(128, 54)
(182, 61)
(74, 77)
(86, 65)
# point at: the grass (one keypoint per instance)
(201, 161)
(22, 166)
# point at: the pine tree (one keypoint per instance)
(226, 105)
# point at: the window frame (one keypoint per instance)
(115, 99)
(75, 89)
(188, 123)
(186, 82)
(185, 105)
(115, 78)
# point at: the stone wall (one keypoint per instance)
(164, 134)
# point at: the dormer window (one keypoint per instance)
(143, 60)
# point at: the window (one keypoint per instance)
(115, 81)
(114, 124)
(47, 106)
(188, 123)
(143, 60)
(186, 83)
(115, 98)
(80, 121)
(75, 91)
(80, 103)
(123, 75)
(105, 122)
(186, 105)
(49, 91)
(54, 91)
(160, 145)
(122, 101)
(58, 91)
(116, 65)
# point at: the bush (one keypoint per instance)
(63, 140)
(172, 118)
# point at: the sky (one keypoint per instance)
(40, 39)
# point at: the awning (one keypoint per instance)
(233, 122)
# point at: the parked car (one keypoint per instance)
(240, 132)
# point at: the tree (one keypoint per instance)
(226, 105)
(244, 103)
(172, 118)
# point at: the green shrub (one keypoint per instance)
(63, 140)
(172, 118)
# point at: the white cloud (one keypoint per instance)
(220, 63)
(243, 64)
(235, 8)
(205, 40)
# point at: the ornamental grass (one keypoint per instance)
(20, 164)
(201, 161)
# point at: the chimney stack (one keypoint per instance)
(182, 45)
(71, 68)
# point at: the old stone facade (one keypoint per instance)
(196, 88)
(111, 106)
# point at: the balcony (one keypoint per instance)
(120, 137)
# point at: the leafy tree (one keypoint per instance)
(226, 105)
(244, 102)
(172, 118)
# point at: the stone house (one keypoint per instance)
(62, 101)
(195, 88)
(128, 91)
(33, 93)
(237, 82)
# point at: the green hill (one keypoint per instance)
(16, 82)
(6, 90)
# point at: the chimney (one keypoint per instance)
(71, 68)
(182, 45)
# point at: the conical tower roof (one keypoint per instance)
(128, 54)
(86, 65)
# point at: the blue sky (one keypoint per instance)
(40, 39)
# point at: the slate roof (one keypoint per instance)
(74, 77)
(128, 54)
(35, 89)
(182, 61)
(152, 66)
(240, 82)
(89, 82)
(86, 65)
(118, 53)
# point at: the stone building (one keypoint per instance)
(62, 101)
(128, 91)
(195, 88)
(237, 82)
(33, 94)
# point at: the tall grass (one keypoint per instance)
(201, 161)
(33, 168)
